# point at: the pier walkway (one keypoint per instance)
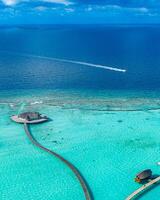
(74, 170)
(143, 188)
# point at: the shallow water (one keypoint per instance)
(108, 147)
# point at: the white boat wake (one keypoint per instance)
(70, 61)
(98, 66)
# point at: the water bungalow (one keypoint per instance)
(143, 176)
(29, 118)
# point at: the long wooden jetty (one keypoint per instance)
(81, 180)
(146, 186)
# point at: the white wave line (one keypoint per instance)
(71, 61)
(99, 66)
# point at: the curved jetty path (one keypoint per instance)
(143, 188)
(75, 171)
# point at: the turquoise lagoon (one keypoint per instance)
(109, 136)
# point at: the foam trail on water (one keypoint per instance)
(99, 66)
(81, 63)
(71, 61)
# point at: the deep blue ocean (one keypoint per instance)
(134, 48)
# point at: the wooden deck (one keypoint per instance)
(15, 118)
(143, 188)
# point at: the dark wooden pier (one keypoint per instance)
(81, 180)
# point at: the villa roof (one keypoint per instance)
(145, 174)
(30, 115)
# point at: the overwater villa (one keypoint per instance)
(29, 118)
(143, 176)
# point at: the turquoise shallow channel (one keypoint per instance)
(109, 136)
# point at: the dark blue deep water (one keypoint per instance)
(134, 48)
